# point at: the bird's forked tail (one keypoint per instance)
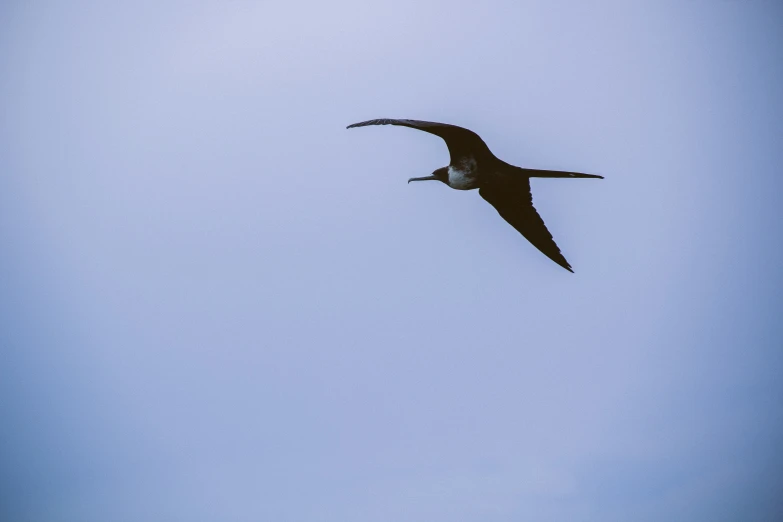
(535, 173)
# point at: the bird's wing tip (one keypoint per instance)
(377, 121)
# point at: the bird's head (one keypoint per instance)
(442, 174)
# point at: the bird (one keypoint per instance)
(506, 187)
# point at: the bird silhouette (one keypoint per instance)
(506, 187)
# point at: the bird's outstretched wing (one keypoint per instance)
(460, 141)
(513, 200)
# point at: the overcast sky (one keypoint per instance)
(218, 304)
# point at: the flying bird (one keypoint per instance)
(504, 186)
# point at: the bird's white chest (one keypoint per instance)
(462, 176)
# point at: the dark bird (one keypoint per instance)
(504, 186)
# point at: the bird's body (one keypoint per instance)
(504, 186)
(463, 175)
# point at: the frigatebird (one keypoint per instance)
(506, 187)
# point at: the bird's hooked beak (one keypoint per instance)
(423, 179)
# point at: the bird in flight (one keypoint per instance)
(504, 186)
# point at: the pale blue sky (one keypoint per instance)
(217, 304)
